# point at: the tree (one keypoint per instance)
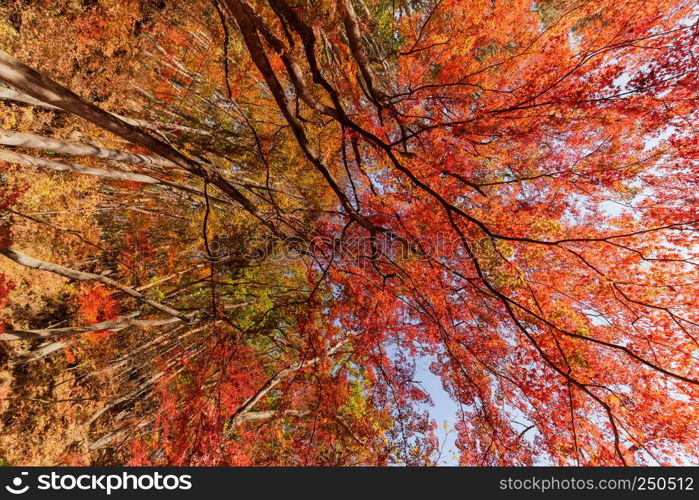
(504, 188)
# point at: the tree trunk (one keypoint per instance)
(114, 325)
(29, 261)
(33, 141)
(32, 83)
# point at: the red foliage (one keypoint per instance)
(96, 304)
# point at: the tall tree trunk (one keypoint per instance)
(115, 325)
(29, 261)
(7, 94)
(32, 83)
(33, 141)
(32, 161)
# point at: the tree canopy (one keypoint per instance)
(232, 230)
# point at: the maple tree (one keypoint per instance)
(264, 214)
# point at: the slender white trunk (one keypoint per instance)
(33, 141)
(29, 261)
(32, 161)
(114, 325)
(32, 83)
(13, 95)
(107, 173)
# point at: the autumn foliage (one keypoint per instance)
(277, 214)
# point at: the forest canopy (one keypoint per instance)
(238, 232)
